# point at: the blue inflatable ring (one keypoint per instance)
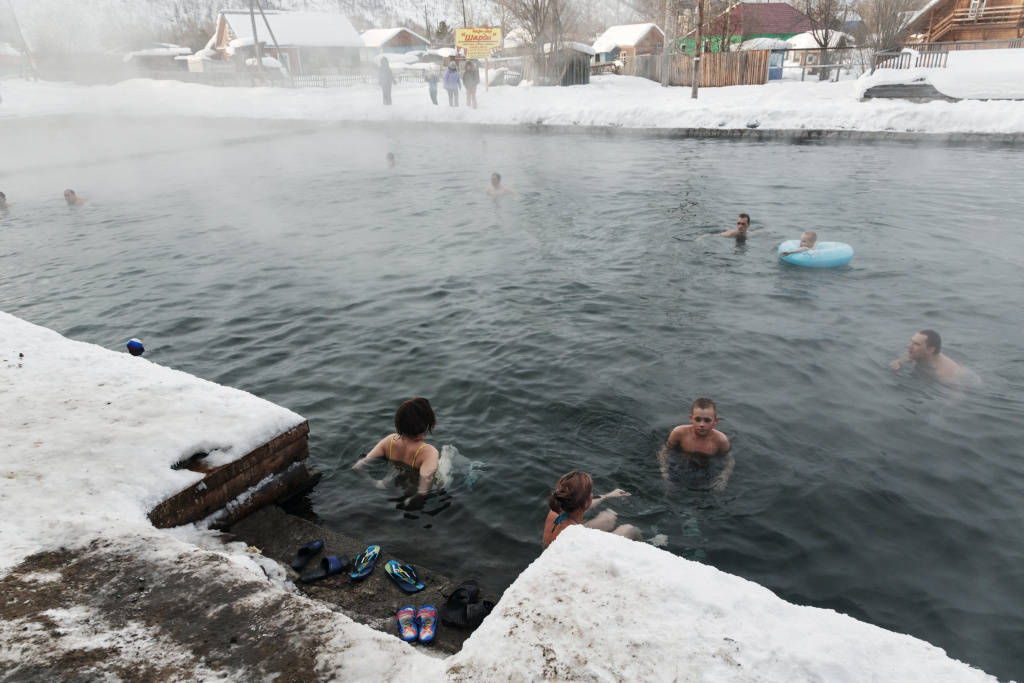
(824, 254)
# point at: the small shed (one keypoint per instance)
(776, 57)
(628, 41)
(805, 47)
(573, 62)
(377, 41)
(311, 43)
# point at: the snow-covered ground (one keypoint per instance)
(88, 437)
(971, 74)
(616, 101)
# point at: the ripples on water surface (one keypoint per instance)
(571, 328)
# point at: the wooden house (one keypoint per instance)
(378, 41)
(629, 41)
(965, 20)
(747, 20)
(311, 43)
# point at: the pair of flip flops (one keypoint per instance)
(463, 609)
(405, 576)
(329, 566)
(416, 624)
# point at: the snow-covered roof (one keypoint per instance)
(765, 44)
(620, 36)
(444, 52)
(7, 50)
(399, 58)
(517, 37)
(377, 37)
(162, 50)
(807, 40)
(296, 29)
(578, 47)
(267, 61)
(923, 11)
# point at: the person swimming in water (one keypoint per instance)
(807, 242)
(699, 450)
(572, 497)
(3, 202)
(73, 199)
(413, 461)
(497, 189)
(742, 226)
(925, 351)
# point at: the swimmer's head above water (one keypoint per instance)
(924, 344)
(703, 416)
(742, 223)
(573, 491)
(808, 239)
(414, 418)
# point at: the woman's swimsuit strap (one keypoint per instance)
(561, 518)
(391, 443)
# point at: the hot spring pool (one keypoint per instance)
(572, 327)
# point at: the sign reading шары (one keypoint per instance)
(478, 42)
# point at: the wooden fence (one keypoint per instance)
(717, 69)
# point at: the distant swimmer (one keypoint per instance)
(742, 225)
(572, 498)
(497, 189)
(3, 201)
(391, 159)
(698, 455)
(807, 242)
(73, 199)
(413, 461)
(925, 350)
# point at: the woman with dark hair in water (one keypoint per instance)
(572, 497)
(413, 461)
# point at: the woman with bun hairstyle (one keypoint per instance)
(572, 497)
(413, 462)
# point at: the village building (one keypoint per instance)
(308, 43)
(378, 41)
(748, 20)
(157, 57)
(967, 20)
(629, 41)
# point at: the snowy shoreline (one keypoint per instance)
(787, 109)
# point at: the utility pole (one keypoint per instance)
(291, 76)
(665, 50)
(256, 41)
(697, 49)
(24, 43)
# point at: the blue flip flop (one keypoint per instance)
(305, 552)
(329, 566)
(408, 623)
(366, 562)
(405, 576)
(426, 619)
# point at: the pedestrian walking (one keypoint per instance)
(452, 83)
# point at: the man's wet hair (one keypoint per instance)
(932, 340)
(414, 417)
(571, 492)
(747, 216)
(704, 404)
(69, 190)
(497, 175)
(3, 196)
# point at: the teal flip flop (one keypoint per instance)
(405, 576)
(365, 563)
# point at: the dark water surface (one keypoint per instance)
(572, 327)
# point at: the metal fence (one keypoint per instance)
(903, 60)
(1010, 43)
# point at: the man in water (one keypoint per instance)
(391, 159)
(3, 202)
(925, 350)
(497, 189)
(807, 242)
(742, 225)
(72, 199)
(694, 452)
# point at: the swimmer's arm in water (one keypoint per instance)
(675, 441)
(663, 462)
(723, 478)
(794, 251)
(364, 462)
(899, 362)
(617, 493)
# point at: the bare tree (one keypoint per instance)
(549, 25)
(884, 22)
(829, 20)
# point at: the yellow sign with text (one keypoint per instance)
(478, 42)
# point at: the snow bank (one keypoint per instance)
(616, 101)
(972, 74)
(598, 607)
(89, 436)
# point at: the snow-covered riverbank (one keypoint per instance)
(611, 101)
(89, 436)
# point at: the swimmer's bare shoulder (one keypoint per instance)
(684, 438)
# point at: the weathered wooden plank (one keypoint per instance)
(226, 483)
(293, 479)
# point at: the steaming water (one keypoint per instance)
(572, 327)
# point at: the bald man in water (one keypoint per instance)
(925, 350)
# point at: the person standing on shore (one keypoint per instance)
(452, 83)
(387, 79)
(471, 79)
